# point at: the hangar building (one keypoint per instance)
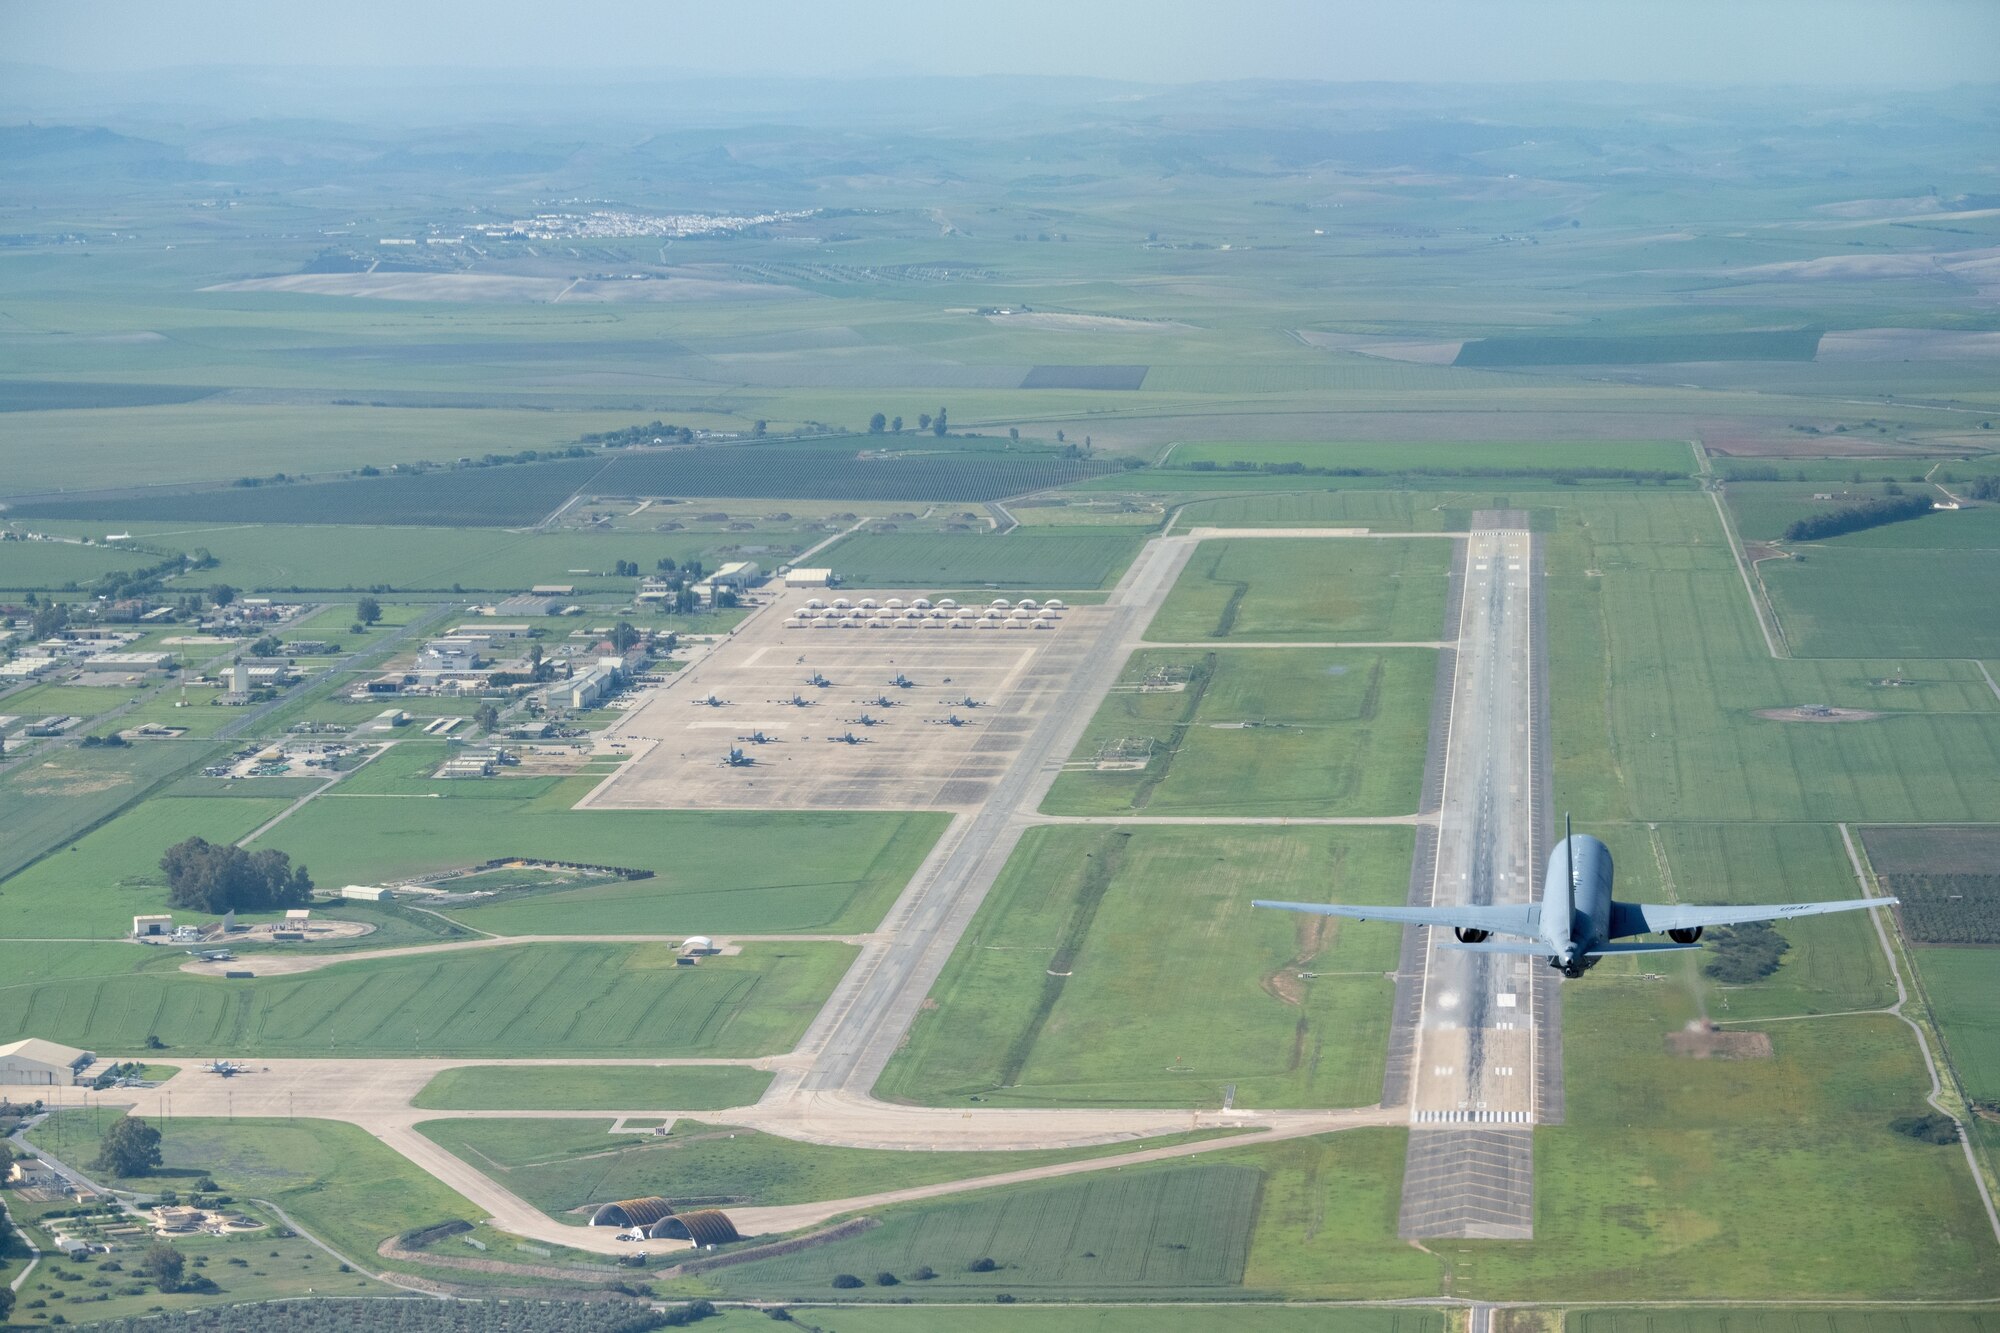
(42, 1063)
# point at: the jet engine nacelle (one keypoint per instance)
(1470, 935)
(1687, 936)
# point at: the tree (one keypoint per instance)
(268, 646)
(217, 878)
(938, 423)
(6, 1303)
(222, 594)
(1014, 434)
(896, 425)
(759, 429)
(487, 716)
(367, 610)
(877, 424)
(665, 565)
(130, 1147)
(623, 636)
(847, 1281)
(165, 1265)
(51, 618)
(923, 421)
(6, 1158)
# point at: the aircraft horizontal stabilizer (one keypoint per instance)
(1639, 948)
(1528, 947)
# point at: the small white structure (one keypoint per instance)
(699, 946)
(389, 719)
(144, 926)
(808, 578)
(367, 893)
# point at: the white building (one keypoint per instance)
(142, 926)
(42, 1063)
(808, 578)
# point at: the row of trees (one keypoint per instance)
(1855, 517)
(936, 425)
(217, 877)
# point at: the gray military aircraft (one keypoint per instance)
(1577, 923)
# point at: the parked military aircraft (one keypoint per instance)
(710, 701)
(848, 738)
(736, 758)
(902, 682)
(1577, 923)
(817, 679)
(758, 738)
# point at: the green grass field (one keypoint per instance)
(1640, 349)
(1282, 731)
(1035, 1006)
(1959, 985)
(592, 1088)
(562, 1166)
(52, 799)
(715, 872)
(1737, 1319)
(1024, 558)
(1676, 1178)
(93, 887)
(1278, 590)
(333, 1178)
(1661, 674)
(322, 557)
(1126, 1319)
(543, 999)
(1147, 1234)
(1848, 601)
(1395, 457)
(245, 1267)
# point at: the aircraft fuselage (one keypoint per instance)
(1576, 916)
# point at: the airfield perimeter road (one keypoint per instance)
(1479, 1045)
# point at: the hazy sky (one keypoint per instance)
(1877, 42)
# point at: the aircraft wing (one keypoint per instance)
(1514, 919)
(1657, 918)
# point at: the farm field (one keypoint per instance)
(1021, 559)
(592, 1088)
(1035, 1006)
(28, 565)
(1277, 589)
(543, 999)
(218, 442)
(564, 1165)
(1403, 457)
(1147, 1233)
(1640, 349)
(1283, 731)
(1650, 631)
(1740, 1319)
(1870, 602)
(1948, 879)
(1246, 1318)
(49, 800)
(714, 872)
(1959, 985)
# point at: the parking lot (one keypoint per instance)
(885, 711)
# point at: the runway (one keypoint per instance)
(1479, 1036)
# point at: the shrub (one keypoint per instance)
(887, 1279)
(1931, 1128)
(847, 1281)
(981, 1266)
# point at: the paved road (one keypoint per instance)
(1476, 1062)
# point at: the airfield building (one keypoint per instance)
(42, 1063)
